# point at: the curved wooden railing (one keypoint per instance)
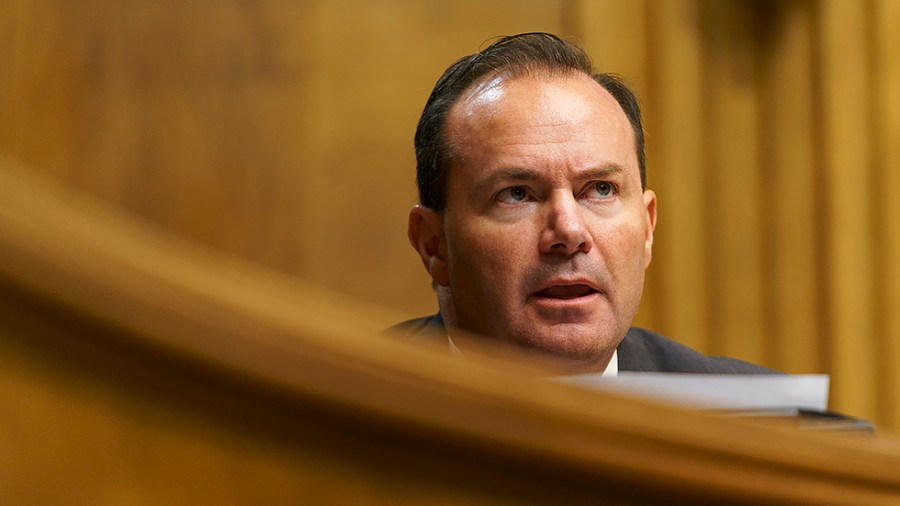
(141, 368)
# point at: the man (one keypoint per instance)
(535, 223)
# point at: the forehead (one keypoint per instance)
(540, 116)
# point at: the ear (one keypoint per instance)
(426, 234)
(650, 210)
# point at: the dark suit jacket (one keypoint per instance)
(640, 350)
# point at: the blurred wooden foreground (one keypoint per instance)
(138, 368)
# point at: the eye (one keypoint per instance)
(600, 190)
(513, 195)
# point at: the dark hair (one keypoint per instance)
(514, 56)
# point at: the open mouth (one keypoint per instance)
(566, 291)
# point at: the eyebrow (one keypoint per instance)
(601, 172)
(513, 174)
(519, 174)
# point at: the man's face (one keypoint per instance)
(547, 231)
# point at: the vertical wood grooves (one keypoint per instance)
(885, 110)
(849, 194)
(820, 207)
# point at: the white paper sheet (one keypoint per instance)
(710, 391)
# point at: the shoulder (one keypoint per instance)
(643, 350)
(425, 328)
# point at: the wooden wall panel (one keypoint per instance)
(612, 32)
(791, 189)
(188, 117)
(732, 161)
(885, 108)
(849, 193)
(679, 278)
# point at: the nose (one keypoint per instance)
(566, 232)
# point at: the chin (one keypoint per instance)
(577, 347)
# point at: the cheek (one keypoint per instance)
(622, 246)
(488, 253)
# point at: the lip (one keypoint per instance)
(566, 292)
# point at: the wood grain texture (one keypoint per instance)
(792, 194)
(732, 158)
(680, 277)
(850, 197)
(885, 108)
